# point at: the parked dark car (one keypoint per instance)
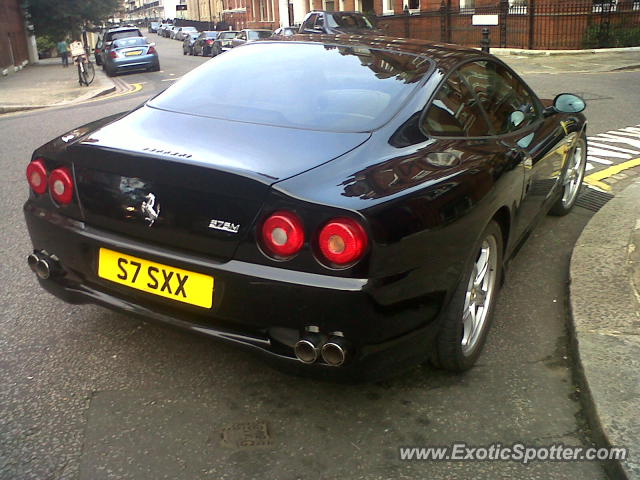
(345, 207)
(188, 42)
(97, 51)
(204, 43)
(132, 53)
(249, 35)
(223, 42)
(337, 22)
(105, 44)
(153, 27)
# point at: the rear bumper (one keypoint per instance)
(132, 63)
(262, 308)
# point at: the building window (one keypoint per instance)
(357, 5)
(518, 6)
(412, 5)
(329, 5)
(604, 6)
(387, 7)
(467, 6)
(262, 12)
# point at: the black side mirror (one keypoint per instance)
(566, 103)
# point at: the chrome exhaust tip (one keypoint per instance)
(334, 352)
(43, 269)
(32, 260)
(306, 351)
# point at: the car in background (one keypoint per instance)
(333, 23)
(153, 27)
(113, 34)
(286, 31)
(131, 53)
(250, 35)
(169, 31)
(204, 43)
(97, 51)
(163, 27)
(223, 42)
(187, 43)
(182, 31)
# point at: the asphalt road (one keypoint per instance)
(86, 393)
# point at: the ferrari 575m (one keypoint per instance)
(345, 206)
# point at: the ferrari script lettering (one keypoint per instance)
(155, 278)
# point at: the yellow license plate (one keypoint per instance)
(135, 52)
(156, 278)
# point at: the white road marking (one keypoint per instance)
(609, 153)
(617, 139)
(599, 160)
(611, 147)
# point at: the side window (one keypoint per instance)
(505, 99)
(319, 25)
(454, 112)
(310, 22)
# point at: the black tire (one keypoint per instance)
(184, 52)
(449, 352)
(109, 71)
(155, 68)
(564, 205)
(89, 73)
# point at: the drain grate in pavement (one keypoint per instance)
(592, 199)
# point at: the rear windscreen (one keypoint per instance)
(300, 85)
(124, 34)
(130, 42)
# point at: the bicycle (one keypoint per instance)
(86, 70)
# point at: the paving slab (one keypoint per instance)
(48, 83)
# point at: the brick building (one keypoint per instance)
(14, 50)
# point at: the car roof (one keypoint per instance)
(122, 29)
(445, 55)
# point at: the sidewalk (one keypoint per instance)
(569, 61)
(605, 308)
(46, 84)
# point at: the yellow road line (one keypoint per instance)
(595, 178)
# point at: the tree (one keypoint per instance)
(58, 18)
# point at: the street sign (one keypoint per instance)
(181, 7)
(484, 20)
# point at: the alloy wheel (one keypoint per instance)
(480, 294)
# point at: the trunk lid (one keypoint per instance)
(207, 178)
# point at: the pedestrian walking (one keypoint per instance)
(63, 51)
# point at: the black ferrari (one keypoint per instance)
(345, 206)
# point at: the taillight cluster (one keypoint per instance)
(113, 54)
(59, 181)
(340, 241)
(151, 50)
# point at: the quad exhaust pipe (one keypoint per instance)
(313, 346)
(43, 264)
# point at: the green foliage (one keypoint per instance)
(621, 35)
(61, 18)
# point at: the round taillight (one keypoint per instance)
(37, 176)
(342, 241)
(61, 185)
(283, 234)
